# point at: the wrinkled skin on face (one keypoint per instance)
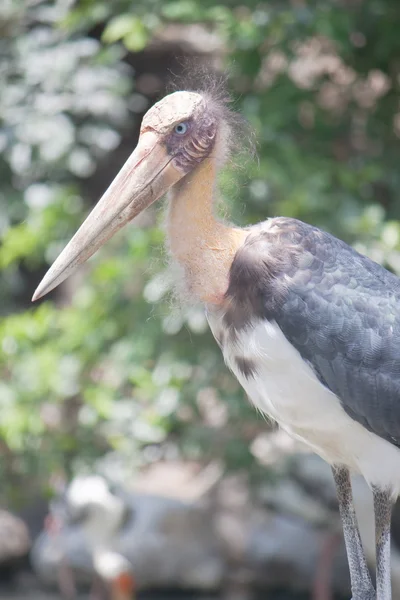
(191, 146)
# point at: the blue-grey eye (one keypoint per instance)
(181, 128)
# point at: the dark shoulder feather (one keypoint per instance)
(339, 309)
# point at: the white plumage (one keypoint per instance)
(286, 389)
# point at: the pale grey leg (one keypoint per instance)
(361, 584)
(383, 512)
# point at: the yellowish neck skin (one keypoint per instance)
(202, 245)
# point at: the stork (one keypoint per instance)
(310, 328)
(101, 514)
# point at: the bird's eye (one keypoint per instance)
(181, 128)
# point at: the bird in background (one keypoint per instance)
(310, 327)
(89, 502)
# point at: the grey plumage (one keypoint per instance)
(339, 309)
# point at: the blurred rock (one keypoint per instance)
(286, 553)
(271, 549)
(288, 497)
(15, 541)
(315, 476)
(15, 544)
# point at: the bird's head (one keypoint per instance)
(176, 135)
(90, 503)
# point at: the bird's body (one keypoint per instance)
(296, 362)
(309, 327)
(294, 310)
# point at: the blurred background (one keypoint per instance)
(107, 376)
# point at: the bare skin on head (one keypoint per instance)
(183, 143)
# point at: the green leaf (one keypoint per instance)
(137, 39)
(128, 28)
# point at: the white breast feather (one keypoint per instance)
(285, 388)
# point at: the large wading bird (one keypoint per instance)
(101, 516)
(310, 328)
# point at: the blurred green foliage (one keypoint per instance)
(106, 368)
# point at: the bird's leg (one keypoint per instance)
(361, 584)
(97, 590)
(383, 511)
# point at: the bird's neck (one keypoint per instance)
(102, 525)
(202, 245)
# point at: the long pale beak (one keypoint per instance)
(147, 174)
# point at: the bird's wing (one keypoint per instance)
(339, 309)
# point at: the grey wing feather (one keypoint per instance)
(339, 309)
